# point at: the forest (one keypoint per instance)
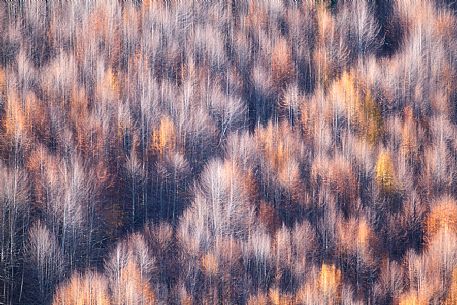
(258, 152)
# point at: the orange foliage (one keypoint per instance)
(326, 29)
(258, 299)
(15, 121)
(267, 215)
(325, 287)
(164, 137)
(99, 21)
(37, 114)
(130, 19)
(412, 298)
(85, 126)
(79, 103)
(281, 64)
(356, 235)
(442, 216)
(409, 144)
(451, 298)
(108, 88)
(2, 81)
(281, 150)
(326, 24)
(79, 83)
(277, 144)
(133, 288)
(209, 264)
(257, 16)
(338, 175)
(146, 4)
(88, 289)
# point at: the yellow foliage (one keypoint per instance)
(90, 289)
(346, 88)
(323, 287)
(330, 280)
(276, 298)
(372, 119)
(412, 298)
(385, 173)
(362, 110)
(164, 137)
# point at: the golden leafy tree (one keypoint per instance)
(385, 172)
(323, 287)
(329, 281)
(362, 111)
(371, 118)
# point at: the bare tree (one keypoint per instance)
(14, 213)
(45, 262)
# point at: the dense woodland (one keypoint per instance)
(228, 152)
